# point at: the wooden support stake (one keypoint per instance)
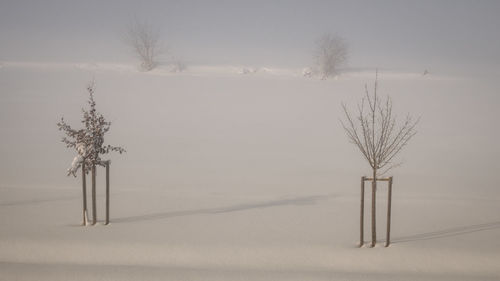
(107, 192)
(378, 179)
(362, 213)
(84, 190)
(374, 211)
(389, 201)
(94, 203)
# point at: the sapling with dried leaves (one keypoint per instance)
(88, 143)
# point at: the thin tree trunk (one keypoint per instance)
(374, 217)
(94, 203)
(84, 190)
(107, 193)
(362, 213)
(389, 202)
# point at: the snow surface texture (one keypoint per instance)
(244, 177)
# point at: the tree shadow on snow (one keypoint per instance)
(307, 200)
(448, 232)
(38, 201)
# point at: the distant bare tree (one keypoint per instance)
(374, 130)
(177, 64)
(330, 53)
(145, 42)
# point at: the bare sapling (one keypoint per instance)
(376, 132)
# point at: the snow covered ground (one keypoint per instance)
(232, 176)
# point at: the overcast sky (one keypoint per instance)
(380, 33)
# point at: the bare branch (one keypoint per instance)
(375, 133)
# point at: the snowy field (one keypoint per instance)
(232, 176)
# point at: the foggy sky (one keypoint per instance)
(457, 34)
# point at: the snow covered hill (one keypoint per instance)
(232, 176)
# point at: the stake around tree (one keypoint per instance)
(362, 212)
